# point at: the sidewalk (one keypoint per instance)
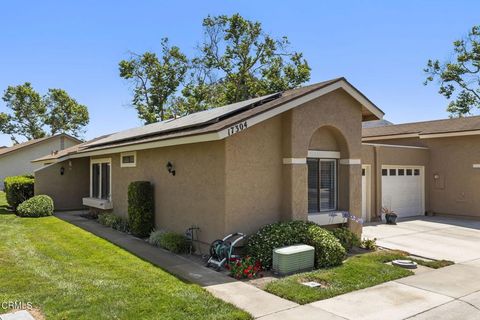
(449, 293)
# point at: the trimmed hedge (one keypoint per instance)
(38, 206)
(18, 189)
(174, 242)
(328, 250)
(347, 238)
(140, 208)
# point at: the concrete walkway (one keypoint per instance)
(448, 293)
(249, 298)
(431, 237)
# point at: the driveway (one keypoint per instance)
(430, 237)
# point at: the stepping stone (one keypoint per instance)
(17, 315)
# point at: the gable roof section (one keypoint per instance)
(24, 145)
(214, 124)
(425, 129)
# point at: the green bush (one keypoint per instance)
(155, 236)
(38, 206)
(18, 189)
(347, 238)
(328, 250)
(140, 208)
(113, 221)
(171, 241)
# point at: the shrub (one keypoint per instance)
(347, 238)
(171, 241)
(244, 268)
(154, 238)
(328, 250)
(140, 208)
(18, 189)
(113, 221)
(38, 206)
(369, 244)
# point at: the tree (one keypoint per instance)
(65, 114)
(459, 78)
(240, 61)
(28, 113)
(31, 115)
(155, 80)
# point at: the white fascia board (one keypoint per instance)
(150, 145)
(450, 134)
(393, 136)
(393, 146)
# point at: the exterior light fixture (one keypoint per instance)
(170, 168)
(62, 171)
(436, 176)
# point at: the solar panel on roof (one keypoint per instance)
(191, 120)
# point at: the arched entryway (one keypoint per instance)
(328, 180)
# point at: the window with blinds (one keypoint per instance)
(100, 180)
(322, 185)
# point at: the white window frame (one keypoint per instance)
(335, 185)
(100, 161)
(335, 189)
(127, 154)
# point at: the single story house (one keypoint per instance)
(16, 160)
(423, 167)
(290, 155)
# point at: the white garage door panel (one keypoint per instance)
(403, 194)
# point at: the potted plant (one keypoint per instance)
(390, 216)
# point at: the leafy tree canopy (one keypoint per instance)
(459, 78)
(154, 80)
(32, 116)
(236, 61)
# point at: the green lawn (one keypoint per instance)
(69, 273)
(434, 264)
(356, 273)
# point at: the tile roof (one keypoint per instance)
(425, 127)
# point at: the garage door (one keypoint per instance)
(402, 190)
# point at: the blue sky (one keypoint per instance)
(381, 47)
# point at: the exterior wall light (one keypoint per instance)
(62, 171)
(170, 168)
(436, 176)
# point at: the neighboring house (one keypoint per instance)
(291, 155)
(431, 166)
(16, 160)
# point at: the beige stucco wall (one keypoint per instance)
(241, 183)
(342, 114)
(19, 162)
(194, 196)
(66, 190)
(456, 190)
(254, 177)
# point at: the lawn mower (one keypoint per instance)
(221, 250)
